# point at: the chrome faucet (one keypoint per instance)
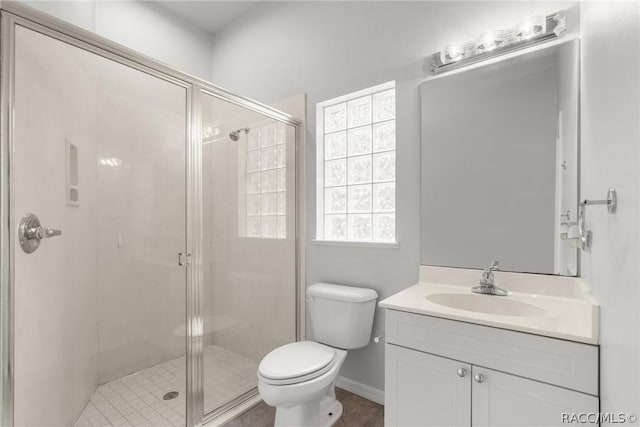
(487, 285)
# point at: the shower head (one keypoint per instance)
(235, 135)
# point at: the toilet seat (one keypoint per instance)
(296, 362)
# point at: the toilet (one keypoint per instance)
(299, 378)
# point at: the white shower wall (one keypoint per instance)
(106, 298)
(141, 208)
(56, 287)
(249, 283)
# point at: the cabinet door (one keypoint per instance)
(501, 399)
(425, 390)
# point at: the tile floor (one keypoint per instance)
(357, 412)
(136, 400)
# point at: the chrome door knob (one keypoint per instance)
(478, 378)
(31, 233)
(462, 372)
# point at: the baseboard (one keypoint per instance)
(361, 390)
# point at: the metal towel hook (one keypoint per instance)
(611, 201)
(585, 235)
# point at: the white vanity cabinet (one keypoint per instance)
(425, 390)
(508, 400)
(441, 372)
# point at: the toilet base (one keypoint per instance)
(322, 412)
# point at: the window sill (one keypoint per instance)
(347, 243)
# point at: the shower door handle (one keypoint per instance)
(31, 233)
(184, 259)
(42, 233)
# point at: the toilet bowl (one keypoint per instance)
(299, 378)
(303, 393)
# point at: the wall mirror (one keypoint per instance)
(500, 164)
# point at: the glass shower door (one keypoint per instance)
(249, 247)
(99, 297)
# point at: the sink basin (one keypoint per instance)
(488, 304)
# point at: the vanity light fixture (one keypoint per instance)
(584, 235)
(532, 30)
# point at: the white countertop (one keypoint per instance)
(570, 316)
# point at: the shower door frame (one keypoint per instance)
(14, 14)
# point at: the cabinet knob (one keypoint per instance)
(478, 378)
(462, 372)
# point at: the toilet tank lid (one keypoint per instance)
(341, 292)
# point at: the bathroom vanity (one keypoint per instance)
(454, 358)
(502, 186)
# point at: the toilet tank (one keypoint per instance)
(341, 316)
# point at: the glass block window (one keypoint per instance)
(266, 179)
(356, 166)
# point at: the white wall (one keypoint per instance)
(610, 158)
(328, 49)
(150, 29)
(80, 13)
(142, 26)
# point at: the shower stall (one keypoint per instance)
(149, 236)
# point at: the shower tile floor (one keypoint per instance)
(136, 400)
